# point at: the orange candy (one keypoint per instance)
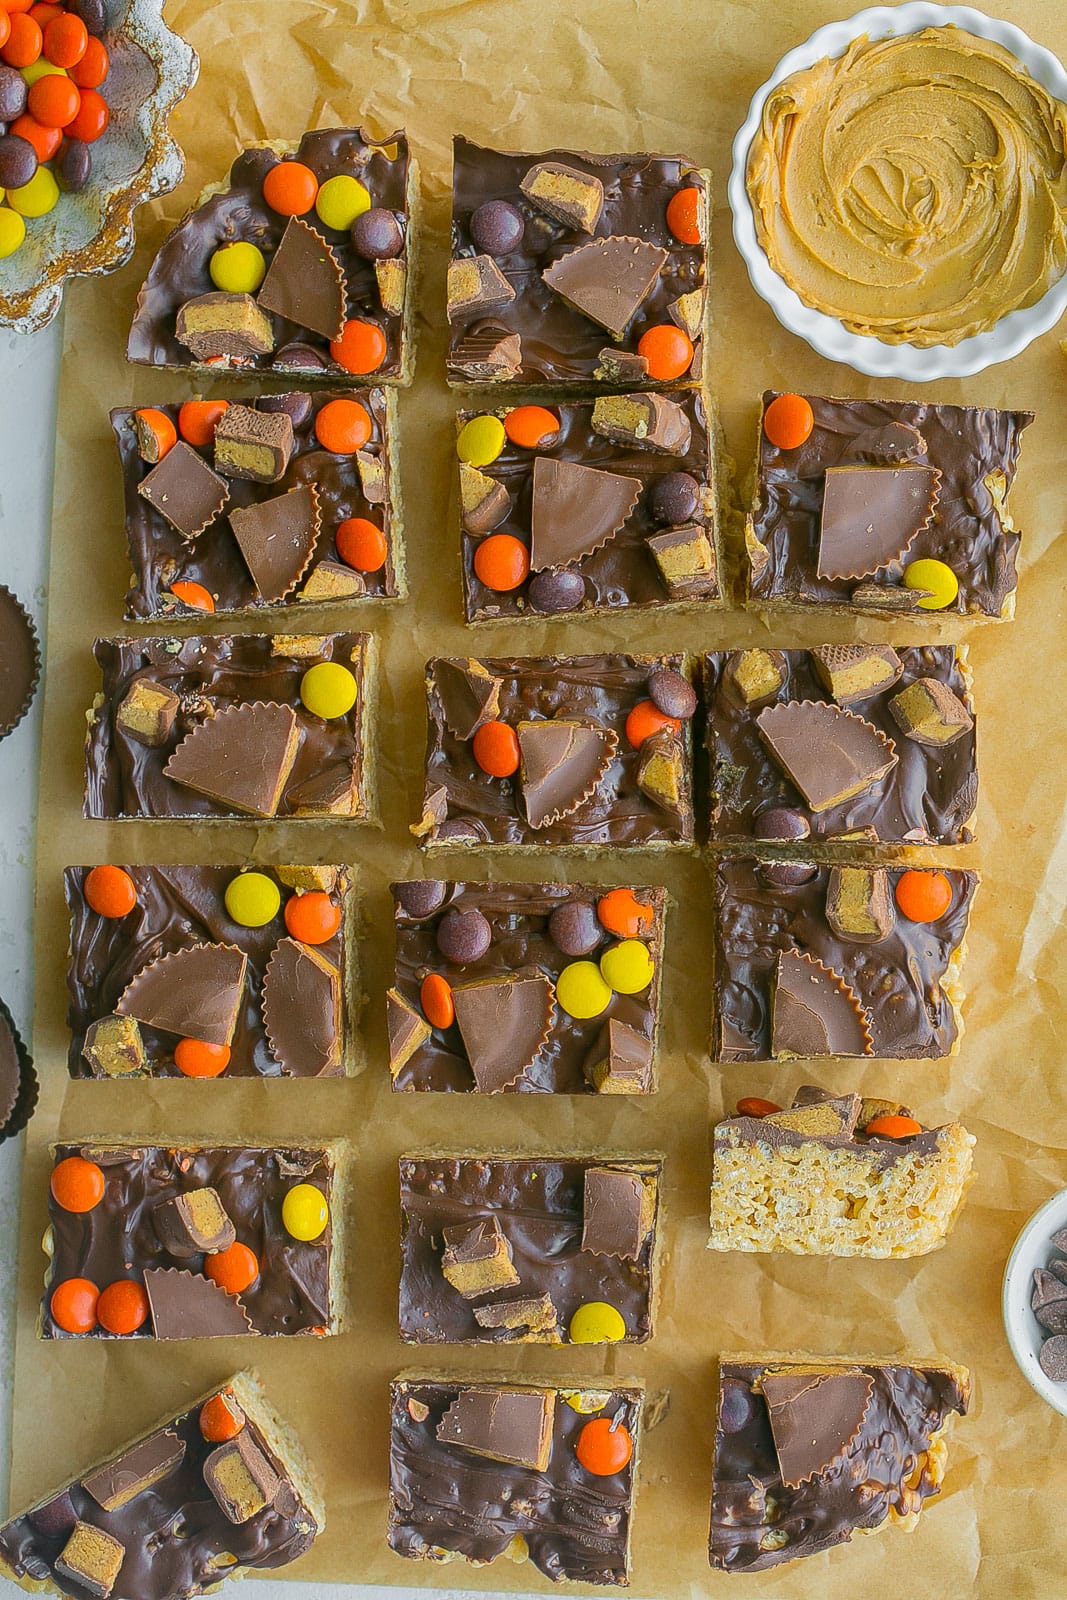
(361, 347)
(198, 419)
(435, 998)
(66, 39)
(753, 1106)
(73, 1305)
(313, 918)
(788, 421)
(923, 896)
(622, 913)
(77, 1185)
(45, 141)
(43, 12)
(110, 892)
(221, 1418)
(161, 427)
(502, 562)
(194, 595)
(24, 42)
(361, 544)
(894, 1127)
(342, 427)
(196, 1059)
(17, 5)
(604, 1448)
(531, 426)
(93, 115)
(233, 1269)
(668, 351)
(290, 188)
(123, 1306)
(646, 719)
(496, 749)
(5, 27)
(93, 68)
(683, 215)
(54, 100)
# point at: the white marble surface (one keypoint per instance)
(28, 374)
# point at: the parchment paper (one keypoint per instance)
(531, 74)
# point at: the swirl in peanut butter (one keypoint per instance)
(915, 187)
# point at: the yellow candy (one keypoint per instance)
(935, 576)
(36, 198)
(597, 1323)
(481, 440)
(581, 991)
(341, 200)
(12, 231)
(305, 1212)
(238, 268)
(42, 69)
(328, 690)
(253, 899)
(627, 966)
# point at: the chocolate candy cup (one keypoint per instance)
(20, 662)
(18, 1080)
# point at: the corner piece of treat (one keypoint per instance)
(809, 1451)
(779, 1178)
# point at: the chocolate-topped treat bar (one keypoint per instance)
(256, 725)
(884, 508)
(572, 753)
(842, 743)
(778, 1177)
(287, 499)
(590, 506)
(813, 960)
(526, 1471)
(208, 971)
(570, 268)
(504, 1250)
(217, 1491)
(301, 264)
(527, 988)
(809, 1452)
(200, 1242)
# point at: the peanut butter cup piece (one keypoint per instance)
(487, 355)
(686, 561)
(859, 904)
(469, 695)
(408, 1029)
(620, 1061)
(815, 1416)
(484, 502)
(617, 1212)
(241, 1478)
(565, 194)
(649, 420)
(562, 765)
(575, 509)
(241, 758)
(186, 1305)
(184, 490)
(814, 1012)
(476, 283)
(928, 712)
(194, 1223)
(531, 1318)
(302, 1010)
(137, 1469)
(855, 672)
(223, 327)
(512, 1425)
(477, 1258)
(828, 753)
(252, 444)
(505, 1023)
(195, 993)
(91, 1558)
(277, 538)
(608, 280)
(304, 282)
(870, 515)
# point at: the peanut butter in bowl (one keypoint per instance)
(915, 187)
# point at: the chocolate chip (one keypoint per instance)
(557, 589)
(464, 936)
(497, 228)
(300, 355)
(1058, 1240)
(1046, 1287)
(674, 498)
(1059, 1270)
(1053, 1358)
(574, 928)
(788, 874)
(421, 899)
(92, 12)
(672, 694)
(55, 1519)
(297, 405)
(12, 94)
(18, 161)
(735, 1407)
(377, 235)
(781, 822)
(74, 166)
(1053, 1317)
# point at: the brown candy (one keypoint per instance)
(505, 1024)
(477, 1258)
(219, 326)
(871, 515)
(304, 282)
(184, 490)
(562, 765)
(930, 713)
(854, 672)
(859, 905)
(256, 445)
(122, 1480)
(686, 561)
(575, 510)
(240, 1477)
(505, 1424)
(147, 712)
(487, 355)
(484, 502)
(241, 758)
(565, 194)
(476, 283)
(194, 1223)
(607, 280)
(828, 753)
(649, 420)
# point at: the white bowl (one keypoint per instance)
(135, 160)
(826, 334)
(1025, 1334)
